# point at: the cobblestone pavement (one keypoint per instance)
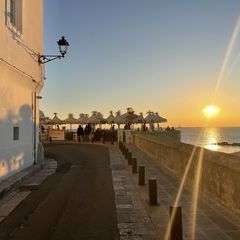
(9, 202)
(133, 222)
(213, 221)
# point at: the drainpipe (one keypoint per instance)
(35, 97)
(35, 126)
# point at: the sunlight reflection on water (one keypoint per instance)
(211, 138)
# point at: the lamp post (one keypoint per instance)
(63, 46)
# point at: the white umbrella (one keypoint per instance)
(41, 115)
(55, 120)
(95, 118)
(118, 119)
(150, 118)
(83, 118)
(100, 117)
(110, 119)
(129, 116)
(159, 119)
(139, 119)
(42, 118)
(70, 120)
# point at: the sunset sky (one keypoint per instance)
(164, 56)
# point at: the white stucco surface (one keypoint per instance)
(20, 78)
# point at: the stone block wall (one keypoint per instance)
(220, 172)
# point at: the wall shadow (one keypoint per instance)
(16, 141)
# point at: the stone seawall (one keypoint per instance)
(220, 172)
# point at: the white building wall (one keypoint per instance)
(20, 78)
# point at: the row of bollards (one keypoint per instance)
(175, 231)
(152, 183)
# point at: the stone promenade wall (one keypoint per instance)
(220, 172)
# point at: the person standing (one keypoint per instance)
(80, 133)
(112, 134)
(87, 131)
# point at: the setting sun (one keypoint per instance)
(211, 111)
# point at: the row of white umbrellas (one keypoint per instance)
(97, 118)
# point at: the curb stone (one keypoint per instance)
(133, 222)
(14, 182)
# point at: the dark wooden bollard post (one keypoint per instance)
(152, 190)
(129, 158)
(125, 153)
(111, 137)
(175, 223)
(141, 176)
(134, 165)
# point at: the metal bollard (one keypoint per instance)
(141, 176)
(175, 223)
(134, 165)
(152, 189)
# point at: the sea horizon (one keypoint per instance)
(212, 138)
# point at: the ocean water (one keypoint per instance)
(210, 137)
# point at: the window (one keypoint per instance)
(12, 12)
(13, 9)
(15, 133)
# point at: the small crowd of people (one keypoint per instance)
(88, 134)
(144, 128)
(85, 134)
(170, 129)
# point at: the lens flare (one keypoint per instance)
(231, 45)
(196, 187)
(210, 112)
(182, 183)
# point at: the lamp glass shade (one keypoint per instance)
(63, 46)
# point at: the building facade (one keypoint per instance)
(21, 80)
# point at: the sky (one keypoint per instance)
(163, 56)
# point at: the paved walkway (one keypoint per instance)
(77, 202)
(136, 219)
(18, 193)
(213, 221)
(133, 221)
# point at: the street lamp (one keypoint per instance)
(63, 46)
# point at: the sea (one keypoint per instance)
(211, 137)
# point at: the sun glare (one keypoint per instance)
(211, 111)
